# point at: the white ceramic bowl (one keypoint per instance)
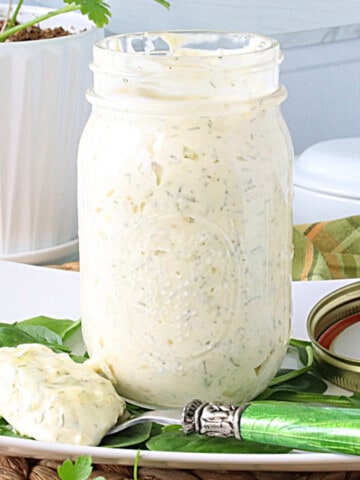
(42, 90)
(327, 181)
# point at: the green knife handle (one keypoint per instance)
(304, 427)
(288, 424)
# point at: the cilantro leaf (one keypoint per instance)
(97, 10)
(78, 470)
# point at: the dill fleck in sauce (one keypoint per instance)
(49, 397)
(185, 218)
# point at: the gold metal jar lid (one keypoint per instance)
(327, 320)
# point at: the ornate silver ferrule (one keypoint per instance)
(212, 419)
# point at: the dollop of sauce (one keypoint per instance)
(49, 397)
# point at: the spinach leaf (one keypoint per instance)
(79, 358)
(64, 328)
(7, 430)
(302, 348)
(12, 336)
(41, 334)
(354, 400)
(174, 440)
(306, 355)
(44, 330)
(132, 436)
(306, 382)
(314, 398)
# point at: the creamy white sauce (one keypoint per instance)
(49, 397)
(185, 238)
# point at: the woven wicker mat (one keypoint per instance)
(13, 468)
(17, 468)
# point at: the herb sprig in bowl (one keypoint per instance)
(98, 11)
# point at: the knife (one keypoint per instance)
(287, 424)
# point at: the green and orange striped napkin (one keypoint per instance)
(327, 250)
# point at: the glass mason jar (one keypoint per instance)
(185, 216)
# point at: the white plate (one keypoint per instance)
(65, 252)
(28, 291)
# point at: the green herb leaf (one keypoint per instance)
(314, 398)
(306, 382)
(45, 330)
(63, 327)
(131, 436)
(354, 400)
(78, 470)
(174, 440)
(12, 336)
(308, 356)
(79, 358)
(96, 10)
(8, 431)
(41, 334)
(302, 347)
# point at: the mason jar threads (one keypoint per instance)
(333, 326)
(184, 192)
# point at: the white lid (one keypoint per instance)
(331, 167)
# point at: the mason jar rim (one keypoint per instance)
(193, 40)
(186, 66)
